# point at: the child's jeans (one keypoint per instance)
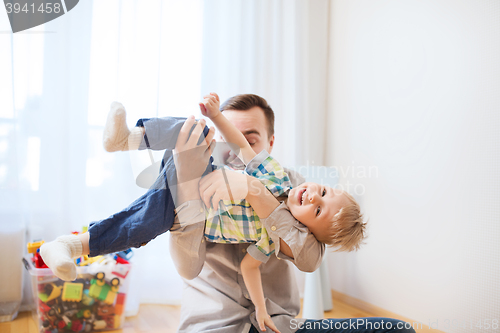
(154, 212)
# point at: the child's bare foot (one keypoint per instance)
(59, 254)
(116, 134)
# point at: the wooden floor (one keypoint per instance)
(163, 319)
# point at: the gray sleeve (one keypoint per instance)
(187, 239)
(254, 251)
(307, 251)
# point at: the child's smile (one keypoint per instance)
(300, 195)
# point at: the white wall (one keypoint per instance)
(415, 92)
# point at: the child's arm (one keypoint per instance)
(210, 108)
(251, 275)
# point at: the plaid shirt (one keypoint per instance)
(236, 222)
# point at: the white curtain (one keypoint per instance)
(276, 49)
(58, 80)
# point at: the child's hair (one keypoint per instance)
(348, 230)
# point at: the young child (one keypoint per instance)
(331, 215)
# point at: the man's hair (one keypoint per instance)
(245, 102)
(347, 231)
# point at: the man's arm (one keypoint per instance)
(187, 244)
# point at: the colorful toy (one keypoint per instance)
(86, 299)
(119, 271)
(33, 247)
(120, 260)
(127, 254)
(76, 326)
(118, 321)
(51, 291)
(99, 325)
(39, 263)
(110, 321)
(84, 314)
(105, 310)
(42, 307)
(72, 292)
(60, 324)
(85, 260)
(120, 303)
(101, 290)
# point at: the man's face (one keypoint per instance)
(253, 124)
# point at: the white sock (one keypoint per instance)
(59, 254)
(116, 134)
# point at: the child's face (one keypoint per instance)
(315, 205)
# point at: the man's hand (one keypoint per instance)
(191, 159)
(223, 185)
(210, 106)
(264, 320)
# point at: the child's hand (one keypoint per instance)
(210, 106)
(264, 320)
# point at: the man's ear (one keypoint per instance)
(271, 145)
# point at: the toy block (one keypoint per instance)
(72, 292)
(120, 303)
(32, 247)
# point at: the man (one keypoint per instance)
(215, 297)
